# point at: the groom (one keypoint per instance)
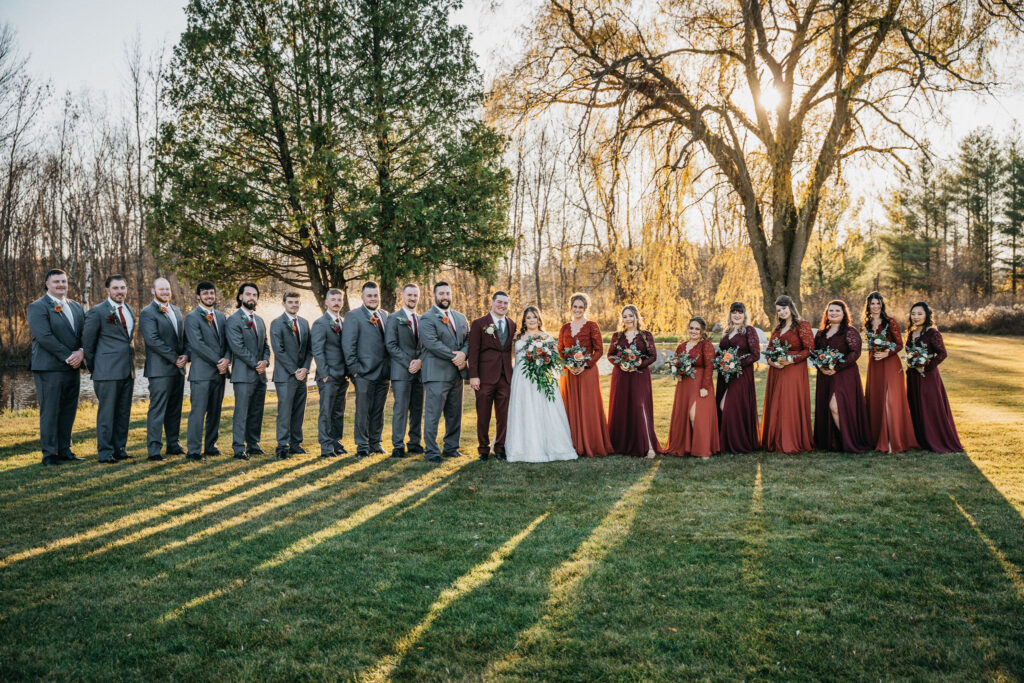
(490, 373)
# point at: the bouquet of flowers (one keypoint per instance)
(918, 357)
(825, 358)
(629, 358)
(777, 350)
(542, 365)
(877, 342)
(576, 357)
(728, 364)
(680, 366)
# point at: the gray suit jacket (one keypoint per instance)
(289, 353)
(439, 343)
(248, 347)
(403, 345)
(163, 346)
(204, 345)
(365, 352)
(108, 350)
(325, 345)
(53, 340)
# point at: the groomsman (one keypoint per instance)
(163, 329)
(331, 379)
(250, 354)
(402, 335)
(444, 335)
(56, 327)
(289, 337)
(490, 373)
(206, 336)
(107, 340)
(366, 357)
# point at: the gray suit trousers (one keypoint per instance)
(164, 416)
(291, 409)
(207, 396)
(371, 395)
(442, 398)
(331, 421)
(248, 419)
(115, 408)
(57, 394)
(408, 407)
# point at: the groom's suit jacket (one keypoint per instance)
(489, 357)
(439, 342)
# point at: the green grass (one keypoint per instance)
(816, 566)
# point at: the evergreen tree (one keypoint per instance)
(979, 184)
(1013, 226)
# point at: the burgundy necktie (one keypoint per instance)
(415, 328)
(295, 328)
(124, 324)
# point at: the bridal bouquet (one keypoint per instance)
(630, 358)
(680, 366)
(877, 342)
(918, 357)
(576, 357)
(728, 364)
(542, 365)
(825, 358)
(777, 350)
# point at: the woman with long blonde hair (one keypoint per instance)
(630, 402)
(581, 385)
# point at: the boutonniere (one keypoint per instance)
(445, 319)
(163, 309)
(57, 308)
(374, 321)
(209, 318)
(490, 329)
(406, 322)
(336, 328)
(250, 324)
(112, 319)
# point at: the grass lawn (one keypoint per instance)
(816, 566)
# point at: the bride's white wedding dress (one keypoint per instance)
(538, 429)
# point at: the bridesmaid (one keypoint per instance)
(786, 426)
(840, 416)
(929, 406)
(737, 416)
(581, 387)
(693, 429)
(630, 402)
(892, 430)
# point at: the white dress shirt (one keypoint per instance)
(170, 315)
(129, 321)
(65, 310)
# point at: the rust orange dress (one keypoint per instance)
(701, 439)
(892, 429)
(786, 425)
(581, 393)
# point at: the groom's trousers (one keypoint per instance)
(492, 396)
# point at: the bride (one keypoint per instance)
(538, 428)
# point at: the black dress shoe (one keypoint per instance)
(434, 458)
(51, 461)
(194, 457)
(483, 456)
(156, 457)
(362, 454)
(71, 457)
(111, 461)
(175, 450)
(282, 455)
(340, 450)
(213, 451)
(452, 454)
(500, 456)
(297, 450)
(377, 449)
(122, 456)
(255, 450)
(414, 449)
(328, 454)
(241, 456)
(398, 453)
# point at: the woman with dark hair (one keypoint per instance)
(736, 399)
(581, 386)
(892, 430)
(840, 416)
(693, 428)
(786, 425)
(926, 394)
(630, 402)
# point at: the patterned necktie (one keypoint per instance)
(295, 329)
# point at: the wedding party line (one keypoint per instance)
(543, 392)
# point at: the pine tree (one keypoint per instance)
(1013, 227)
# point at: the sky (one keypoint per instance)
(80, 45)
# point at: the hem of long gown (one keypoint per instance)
(554, 457)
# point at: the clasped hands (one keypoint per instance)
(76, 359)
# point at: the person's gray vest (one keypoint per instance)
(165, 341)
(206, 343)
(248, 347)
(325, 345)
(290, 353)
(108, 348)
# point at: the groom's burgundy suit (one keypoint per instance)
(490, 359)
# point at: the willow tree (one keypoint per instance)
(323, 141)
(773, 96)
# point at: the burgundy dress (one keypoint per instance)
(929, 406)
(630, 402)
(855, 435)
(738, 419)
